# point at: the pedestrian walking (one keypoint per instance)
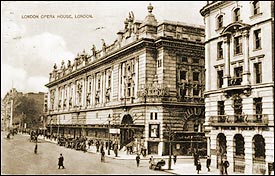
(35, 148)
(103, 156)
(138, 159)
(225, 166)
(116, 149)
(208, 162)
(60, 161)
(198, 166)
(196, 158)
(175, 159)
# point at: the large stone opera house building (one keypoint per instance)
(146, 85)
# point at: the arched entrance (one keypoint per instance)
(239, 155)
(221, 148)
(126, 132)
(258, 149)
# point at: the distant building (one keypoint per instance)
(239, 92)
(12, 116)
(7, 108)
(150, 80)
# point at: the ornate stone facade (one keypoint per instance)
(136, 84)
(239, 103)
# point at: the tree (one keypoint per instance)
(26, 110)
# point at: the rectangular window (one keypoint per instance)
(220, 107)
(257, 39)
(219, 50)
(220, 21)
(237, 14)
(256, 7)
(129, 90)
(159, 63)
(237, 80)
(182, 92)
(184, 59)
(156, 116)
(237, 45)
(257, 102)
(258, 72)
(238, 107)
(196, 61)
(151, 115)
(196, 76)
(182, 75)
(196, 92)
(220, 78)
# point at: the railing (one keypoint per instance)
(235, 81)
(239, 119)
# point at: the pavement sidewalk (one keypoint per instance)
(183, 166)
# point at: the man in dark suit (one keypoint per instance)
(60, 161)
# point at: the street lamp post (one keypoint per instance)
(109, 127)
(170, 152)
(51, 130)
(170, 147)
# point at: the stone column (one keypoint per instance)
(160, 148)
(226, 55)
(248, 153)
(112, 84)
(74, 93)
(67, 95)
(93, 90)
(119, 80)
(56, 99)
(246, 72)
(84, 92)
(123, 95)
(136, 77)
(62, 97)
(208, 146)
(207, 66)
(103, 89)
(230, 149)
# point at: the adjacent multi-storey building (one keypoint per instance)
(146, 85)
(7, 103)
(239, 92)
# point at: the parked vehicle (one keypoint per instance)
(156, 164)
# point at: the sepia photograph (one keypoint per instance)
(137, 88)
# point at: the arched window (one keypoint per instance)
(256, 7)
(258, 146)
(239, 145)
(219, 22)
(237, 15)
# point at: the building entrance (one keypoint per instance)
(126, 130)
(221, 149)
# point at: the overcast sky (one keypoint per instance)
(31, 46)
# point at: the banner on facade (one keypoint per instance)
(114, 131)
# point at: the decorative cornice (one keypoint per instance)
(212, 6)
(132, 47)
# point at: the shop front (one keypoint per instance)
(186, 144)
